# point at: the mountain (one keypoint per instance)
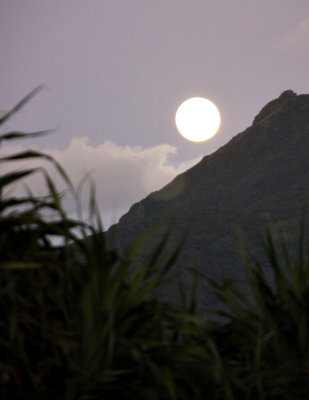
(261, 176)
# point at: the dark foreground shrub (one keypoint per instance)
(79, 321)
(264, 339)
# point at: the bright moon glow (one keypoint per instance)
(197, 119)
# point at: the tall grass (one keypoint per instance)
(79, 321)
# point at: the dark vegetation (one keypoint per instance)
(82, 321)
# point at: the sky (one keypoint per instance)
(116, 71)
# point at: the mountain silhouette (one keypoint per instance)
(260, 177)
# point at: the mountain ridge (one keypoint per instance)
(261, 175)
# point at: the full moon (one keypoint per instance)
(197, 119)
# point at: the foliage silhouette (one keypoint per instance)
(80, 321)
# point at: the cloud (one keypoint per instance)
(298, 38)
(122, 174)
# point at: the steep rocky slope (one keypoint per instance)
(260, 176)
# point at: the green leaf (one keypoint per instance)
(11, 177)
(23, 135)
(21, 104)
(16, 265)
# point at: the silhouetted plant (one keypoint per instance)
(263, 341)
(80, 321)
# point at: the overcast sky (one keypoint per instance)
(116, 71)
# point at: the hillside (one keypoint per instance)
(260, 176)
